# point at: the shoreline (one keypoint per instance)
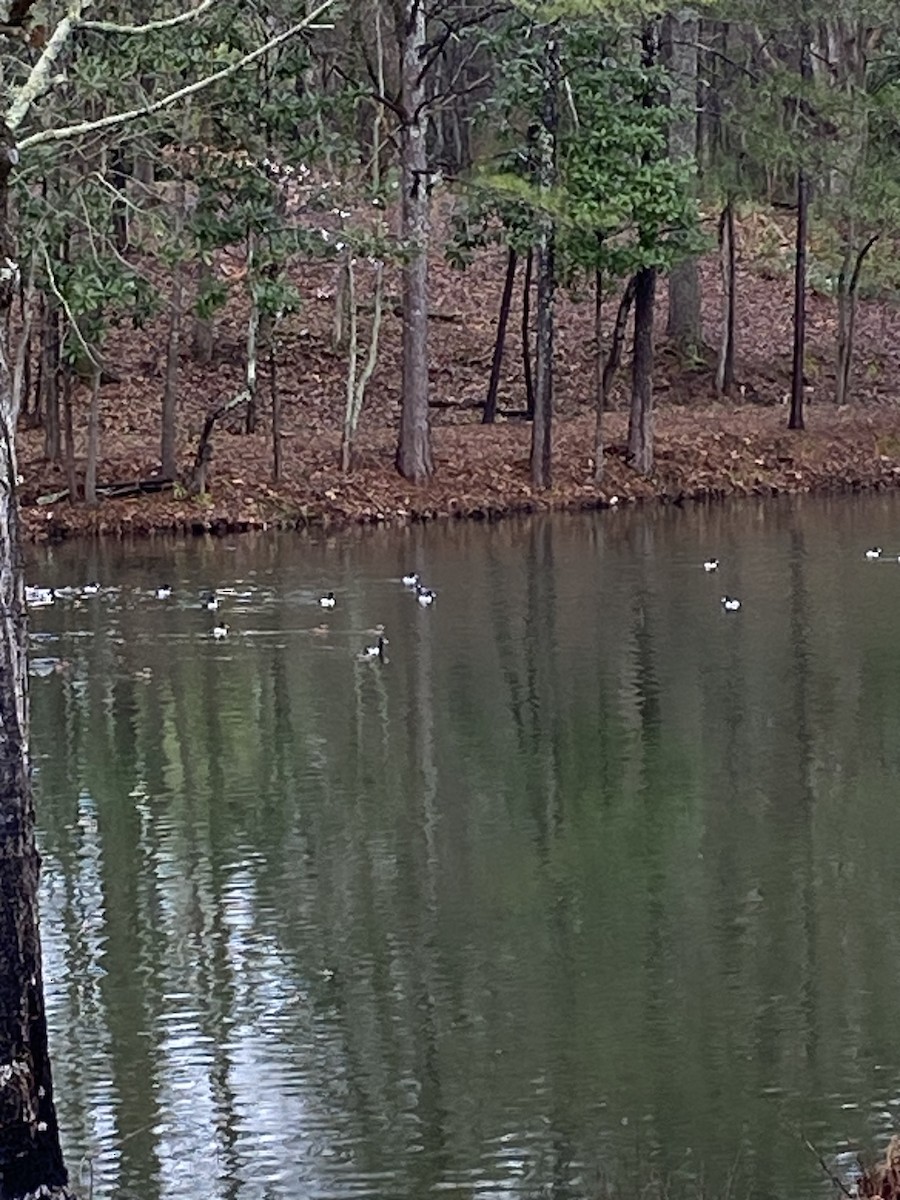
(703, 456)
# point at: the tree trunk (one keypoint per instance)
(542, 428)
(93, 439)
(607, 372)
(275, 396)
(69, 430)
(599, 390)
(50, 350)
(680, 32)
(414, 448)
(526, 334)
(168, 461)
(30, 1154)
(490, 404)
(356, 387)
(725, 365)
(795, 421)
(847, 294)
(252, 335)
(640, 422)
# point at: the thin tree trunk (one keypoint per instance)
(93, 439)
(276, 412)
(848, 293)
(796, 421)
(252, 336)
(31, 1160)
(725, 365)
(599, 391)
(414, 449)
(69, 429)
(50, 381)
(490, 404)
(356, 394)
(167, 455)
(680, 30)
(526, 334)
(352, 328)
(542, 428)
(617, 344)
(640, 423)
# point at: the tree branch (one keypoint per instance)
(39, 77)
(69, 131)
(150, 26)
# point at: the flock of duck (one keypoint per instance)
(729, 603)
(43, 597)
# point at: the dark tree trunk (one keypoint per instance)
(542, 428)
(796, 421)
(275, 397)
(414, 448)
(847, 295)
(607, 372)
(725, 365)
(93, 439)
(30, 1154)
(69, 430)
(118, 177)
(640, 422)
(490, 404)
(167, 454)
(50, 349)
(526, 334)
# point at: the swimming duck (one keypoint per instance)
(731, 603)
(411, 580)
(39, 597)
(874, 552)
(372, 652)
(425, 595)
(90, 589)
(327, 601)
(219, 631)
(711, 564)
(210, 600)
(164, 592)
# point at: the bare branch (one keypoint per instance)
(51, 278)
(150, 26)
(39, 77)
(44, 136)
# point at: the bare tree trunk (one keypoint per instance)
(542, 428)
(795, 421)
(50, 352)
(679, 47)
(252, 336)
(640, 423)
(526, 334)
(167, 455)
(276, 412)
(490, 404)
(606, 370)
(414, 448)
(31, 1161)
(725, 365)
(847, 295)
(356, 387)
(93, 439)
(599, 390)
(69, 429)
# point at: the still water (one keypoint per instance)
(591, 883)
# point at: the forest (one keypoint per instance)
(398, 261)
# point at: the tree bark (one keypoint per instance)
(30, 1154)
(490, 404)
(796, 419)
(848, 292)
(542, 427)
(640, 422)
(680, 32)
(526, 333)
(168, 461)
(93, 439)
(204, 326)
(607, 372)
(725, 365)
(414, 448)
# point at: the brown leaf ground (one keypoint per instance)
(704, 449)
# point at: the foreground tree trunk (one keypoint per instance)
(542, 428)
(725, 364)
(796, 420)
(30, 1154)
(490, 404)
(847, 295)
(640, 421)
(414, 448)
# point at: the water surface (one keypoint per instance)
(592, 881)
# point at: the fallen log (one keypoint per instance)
(115, 491)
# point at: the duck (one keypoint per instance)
(91, 589)
(210, 600)
(327, 601)
(371, 653)
(163, 593)
(219, 632)
(730, 603)
(410, 580)
(873, 552)
(425, 595)
(39, 597)
(711, 564)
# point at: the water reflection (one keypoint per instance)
(591, 879)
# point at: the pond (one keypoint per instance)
(592, 883)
